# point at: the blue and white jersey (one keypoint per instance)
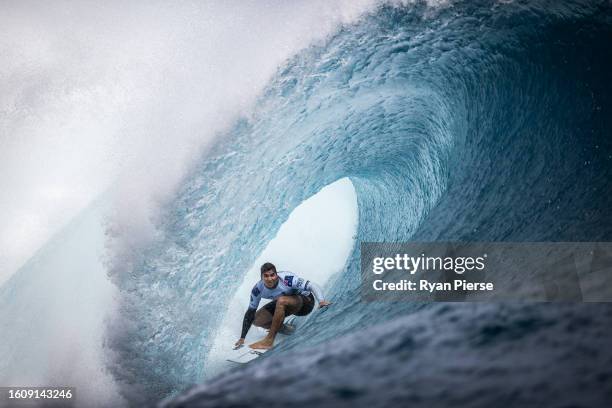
(288, 284)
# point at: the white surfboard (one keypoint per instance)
(245, 354)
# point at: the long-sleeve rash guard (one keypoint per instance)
(288, 284)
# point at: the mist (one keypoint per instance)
(125, 97)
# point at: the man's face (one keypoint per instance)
(270, 278)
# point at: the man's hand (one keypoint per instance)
(239, 343)
(324, 303)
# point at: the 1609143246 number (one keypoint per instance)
(29, 393)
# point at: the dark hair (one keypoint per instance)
(267, 267)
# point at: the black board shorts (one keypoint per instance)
(307, 305)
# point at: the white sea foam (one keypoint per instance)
(128, 94)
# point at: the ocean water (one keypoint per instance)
(454, 121)
(479, 121)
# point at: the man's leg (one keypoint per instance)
(263, 318)
(285, 305)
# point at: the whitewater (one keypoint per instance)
(449, 121)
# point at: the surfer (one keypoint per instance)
(291, 295)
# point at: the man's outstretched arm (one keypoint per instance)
(249, 316)
(317, 292)
(296, 282)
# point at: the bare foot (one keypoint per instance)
(265, 343)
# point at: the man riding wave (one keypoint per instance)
(291, 294)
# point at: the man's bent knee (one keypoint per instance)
(263, 319)
(286, 300)
(290, 304)
(263, 323)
